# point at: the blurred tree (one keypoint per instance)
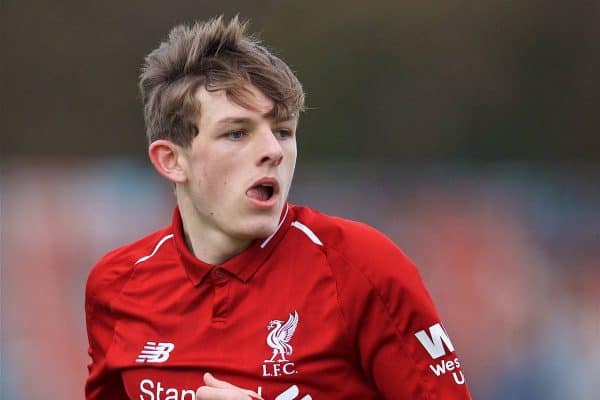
(425, 80)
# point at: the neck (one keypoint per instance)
(206, 241)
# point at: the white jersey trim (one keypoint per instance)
(311, 235)
(267, 240)
(160, 243)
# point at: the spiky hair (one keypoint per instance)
(219, 56)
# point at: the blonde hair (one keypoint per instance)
(221, 57)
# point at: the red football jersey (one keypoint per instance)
(325, 308)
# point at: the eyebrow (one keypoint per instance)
(245, 120)
(234, 120)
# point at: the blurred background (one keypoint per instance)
(469, 132)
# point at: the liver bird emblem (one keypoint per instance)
(280, 335)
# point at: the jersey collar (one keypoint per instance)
(243, 265)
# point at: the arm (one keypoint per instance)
(403, 348)
(102, 383)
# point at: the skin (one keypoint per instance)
(215, 389)
(234, 148)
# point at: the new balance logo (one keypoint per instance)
(434, 342)
(154, 352)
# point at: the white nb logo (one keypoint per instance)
(154, 352)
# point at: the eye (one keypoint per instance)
(235, 135)
(283, 134)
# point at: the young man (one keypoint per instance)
(276, 301)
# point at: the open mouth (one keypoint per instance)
(263, 191)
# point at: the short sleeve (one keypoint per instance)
(104, 283)
(402, 345)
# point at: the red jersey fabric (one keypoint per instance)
(325, 308)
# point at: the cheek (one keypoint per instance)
(290, 160)
(216, 177)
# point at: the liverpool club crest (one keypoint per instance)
(279, 337)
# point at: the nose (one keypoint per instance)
(270, 151)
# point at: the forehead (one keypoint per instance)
(215, 105)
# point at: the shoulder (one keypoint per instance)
(361, 253)
(110, 273)
(370, 271)
(358, 242)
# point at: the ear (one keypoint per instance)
(167, 158)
